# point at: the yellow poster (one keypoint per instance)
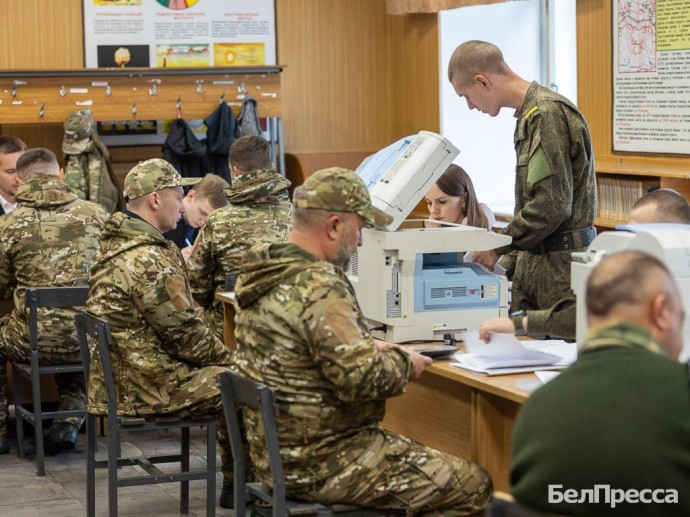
(239, 54)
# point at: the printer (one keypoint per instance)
(411, 282)
(669, 242)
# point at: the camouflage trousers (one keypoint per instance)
(394, 472)
(541, 280)
(70, 385)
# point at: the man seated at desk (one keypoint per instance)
(659, 206)
(620, 416)
(301, 332)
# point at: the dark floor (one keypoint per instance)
(62, 492)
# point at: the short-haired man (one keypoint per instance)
(301, 332)
(11, 148)
(201, 200)
(555, 184)
(50, 240)
(618, 419)
(659, 206)
(663, 205)
(165, 358)
(259, 212)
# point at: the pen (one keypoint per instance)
(187, 242)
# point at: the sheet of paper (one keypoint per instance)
(545, 377)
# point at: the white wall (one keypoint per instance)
(486, 144)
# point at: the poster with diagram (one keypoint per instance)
(179, 33)
(651, 76)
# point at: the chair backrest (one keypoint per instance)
(237, 390)
(37, 297)
(93, 329)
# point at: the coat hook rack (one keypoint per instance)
(63, 92)
(134, 108)
(42, 111)
(108, 90)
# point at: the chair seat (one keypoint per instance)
(297, 507)
(25, 369)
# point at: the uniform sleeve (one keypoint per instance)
(557, 322)
(201, 266)
(548, 182)
(163, 297)
(346, 354)
(7, 276)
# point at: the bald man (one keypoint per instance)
(620, 416)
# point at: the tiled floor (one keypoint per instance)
(62, 492)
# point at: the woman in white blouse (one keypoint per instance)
(452, 200)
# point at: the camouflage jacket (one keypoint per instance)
(90, 175)
(556, 322)
(555, 184)
(51, 240)
(139, 284)
(301, 332)
(260, 212)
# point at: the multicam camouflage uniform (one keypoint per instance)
(49, 241)
(165, 359)
(88, 170)
(301, 331)
(555, 192)
(260, 212)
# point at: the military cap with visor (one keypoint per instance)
(152, 175)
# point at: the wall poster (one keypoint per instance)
(651, 76)
(179, 33)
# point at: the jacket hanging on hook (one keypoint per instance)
(220, 135)
(184, 150)
(248, 119)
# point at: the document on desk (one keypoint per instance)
(506, 355)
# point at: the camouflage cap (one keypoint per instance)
(152, 175)
(339, 190)
(79, 128)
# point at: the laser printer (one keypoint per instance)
(411, 282)
(669, 242)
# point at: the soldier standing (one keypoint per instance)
(51, 240)
(259, 212)
(301, 332)
(165, 359)
(555, 184)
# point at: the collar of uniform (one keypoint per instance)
(6, 205)
(620, 333)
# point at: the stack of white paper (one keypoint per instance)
(505, 355)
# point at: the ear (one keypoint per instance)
(333, 226)
(61, 174)
(659, 312)
(154, 200)
(484, 81)
(190, 195)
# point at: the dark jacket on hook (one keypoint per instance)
(248, 119)
(184, 150)
(220, 135)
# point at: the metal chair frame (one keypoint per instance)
(42, 297)
(239, 391)
(98, 330)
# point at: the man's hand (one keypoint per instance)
(419, 362)
(487, 258)
(501, 325)
(186, 253)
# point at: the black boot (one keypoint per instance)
(227, 496)
(4, 446)
(61, 437)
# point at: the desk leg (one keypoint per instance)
(492, 428)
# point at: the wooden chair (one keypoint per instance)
(238, 391)
(96, 330)
(39, 297)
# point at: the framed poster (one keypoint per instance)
(651, 76)
(179, 33)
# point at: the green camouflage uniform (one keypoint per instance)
(88, 170)
(556, 322)
(165, 359)
(300, 331)
(259, 212)
(555, 191)
(49, 241)
(619, 416)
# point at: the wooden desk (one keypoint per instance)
(449, 409)
(463, 414)
(228, 300)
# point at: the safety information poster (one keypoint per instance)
(179, 33)
(651, 71)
